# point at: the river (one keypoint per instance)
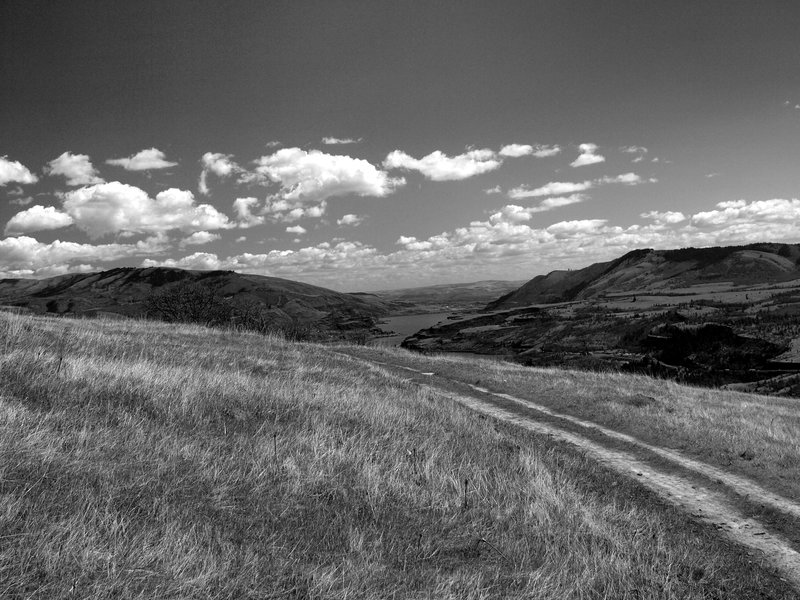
(406, 325)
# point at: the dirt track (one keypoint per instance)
(718, 502)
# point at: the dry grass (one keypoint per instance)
(757, 436)
(140, 460)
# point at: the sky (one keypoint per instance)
(379, 145)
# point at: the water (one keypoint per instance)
(407, 325)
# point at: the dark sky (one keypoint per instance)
(708, 88)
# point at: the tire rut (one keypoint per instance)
(708, 504)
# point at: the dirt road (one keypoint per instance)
(709, 494)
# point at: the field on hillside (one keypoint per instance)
(715, 334)
(144, 460)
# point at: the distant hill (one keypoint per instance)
(123, 291)
(660, 270)
(451, 294)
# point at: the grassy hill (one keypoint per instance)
(147, 460)
(124, 291)
(660, 270)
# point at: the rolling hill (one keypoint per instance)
(660, 270)
(123, 291)
(710, 316)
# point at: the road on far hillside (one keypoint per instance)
(762, 522)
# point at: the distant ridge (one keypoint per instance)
(123, 291)
(660, 270)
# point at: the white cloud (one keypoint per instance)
(144, 160)
(507, 244)
(13, 171)
(543, 151)
(306, 180)
(334, 140)
(296, 229)
(241, 238)
(24, 256)
(350, 219)
(120, 208)
(555, 188)
(550, 189)
(551, 203)
(625, 178)
(218, 164)
(516, 150)
(633, 149)
(539, 150)
(288, 212)
(437, 166)
(511, 213)
(494, 190)
(588, 156)
(37, 218)
(199, 238)
(737, 213)
(668, 217)
(244, 212)
(77, 168)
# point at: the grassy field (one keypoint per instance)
(756, 436)
(141, 460)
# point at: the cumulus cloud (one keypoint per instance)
(516, 150)
(543, 151)
(493, 190)
(512, 213)
(144, 160)
(243, 207)
(120, 208)
(551, 203)
(324, 262)
(351, 220)
(556, 188)
(330, 141)
(221, 165)
(625, 178)
(25, 256)
(588, 156)
(437, 166)
(738, 213)
(297, 229)
(77, 168)
(553, 188)
(37, 218)
(199, 238)
(13, 171)
(307, 179)
(507, 243)
(288, 211)
(668, 217)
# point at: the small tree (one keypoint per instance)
(188, 303)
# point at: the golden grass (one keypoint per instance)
(757, 436)
(142, 460)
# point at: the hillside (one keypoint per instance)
(436, 298)
(650, 271)
(149, 460)
(711, 316)
(124, 291)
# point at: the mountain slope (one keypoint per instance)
(660, 270)
(123, 291)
